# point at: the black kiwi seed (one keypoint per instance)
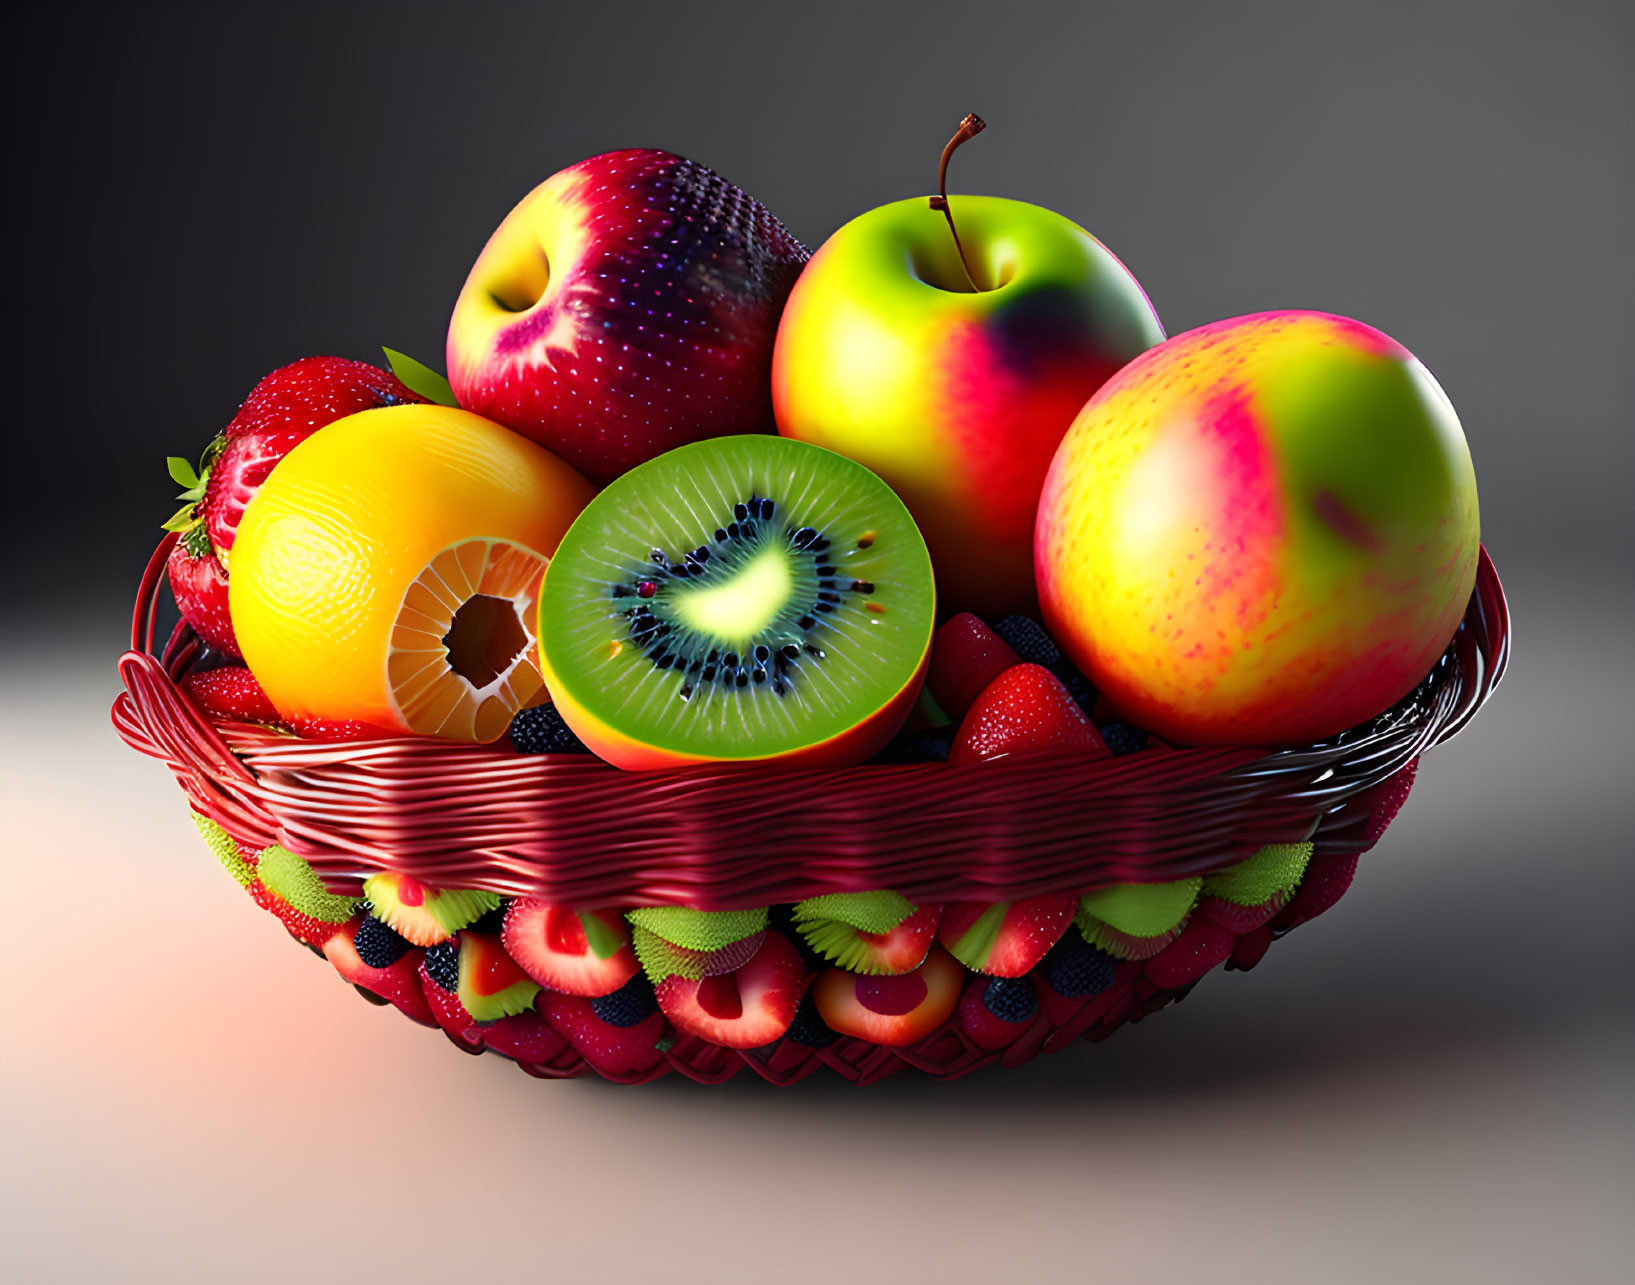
(774, 658)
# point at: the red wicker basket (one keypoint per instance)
(577, 832)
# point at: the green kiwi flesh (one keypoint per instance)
(737, 598)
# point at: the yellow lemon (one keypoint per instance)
(388, 572)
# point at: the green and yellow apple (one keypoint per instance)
(957, 396)
(1262, 532)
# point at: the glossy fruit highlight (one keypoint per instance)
(626, 306)
(955, 380)
(388, 572)
(741, 599)
(1262, 532)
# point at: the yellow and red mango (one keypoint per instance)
(1261, 532)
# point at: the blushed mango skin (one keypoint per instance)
(956, 398)
(1261, 532)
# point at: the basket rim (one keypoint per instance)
(562, 826)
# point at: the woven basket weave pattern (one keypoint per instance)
(578, 832)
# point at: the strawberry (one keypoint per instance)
(309, 929)
(312, 392)
(199, 585)
(1025, 708)
(994, 1010)
(744, 1009)
(614, 1050)
(1388, 801)
(283, 409)
(337, 729)
(231, 695)
(1005, 938)
(965, 657)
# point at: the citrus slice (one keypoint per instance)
(388, 572)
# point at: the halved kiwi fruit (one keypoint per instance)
(741, 598)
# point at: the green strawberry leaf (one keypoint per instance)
(180, 520)
(420, 378)
(181, 472)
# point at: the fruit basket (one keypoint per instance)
(572, 831)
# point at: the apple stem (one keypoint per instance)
(970, 127)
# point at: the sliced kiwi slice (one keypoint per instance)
(289, 877)
(1274, 870)
(422, 914)
(739, 598)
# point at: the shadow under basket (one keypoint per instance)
(576, 832)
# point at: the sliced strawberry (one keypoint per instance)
(741, 1010)
(965, 657)
(874, 932)
(904, 948)
(199, 585)
(231, 695)
(236, 475)
(1005, 938)
(491, 985)
(579, 953)
(993, 1011)
(398, 982)
(614, 1051)
(1025, 708)
(894, 1011)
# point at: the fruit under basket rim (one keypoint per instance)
(580, 832)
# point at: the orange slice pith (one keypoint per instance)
(392, 571)
(465, 683)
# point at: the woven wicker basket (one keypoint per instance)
(577, 832)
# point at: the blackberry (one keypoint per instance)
(1123, 738)
(809, 1030)
(377, 944)
(630, 1005)
(443, 965)
(1010, 999)
(1028, 639)
(920, 747)
(1074, 968)
(492, 922)
(540, 730)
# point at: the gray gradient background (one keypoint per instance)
(1432, 1084)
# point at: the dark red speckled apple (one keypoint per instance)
(626, 306)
